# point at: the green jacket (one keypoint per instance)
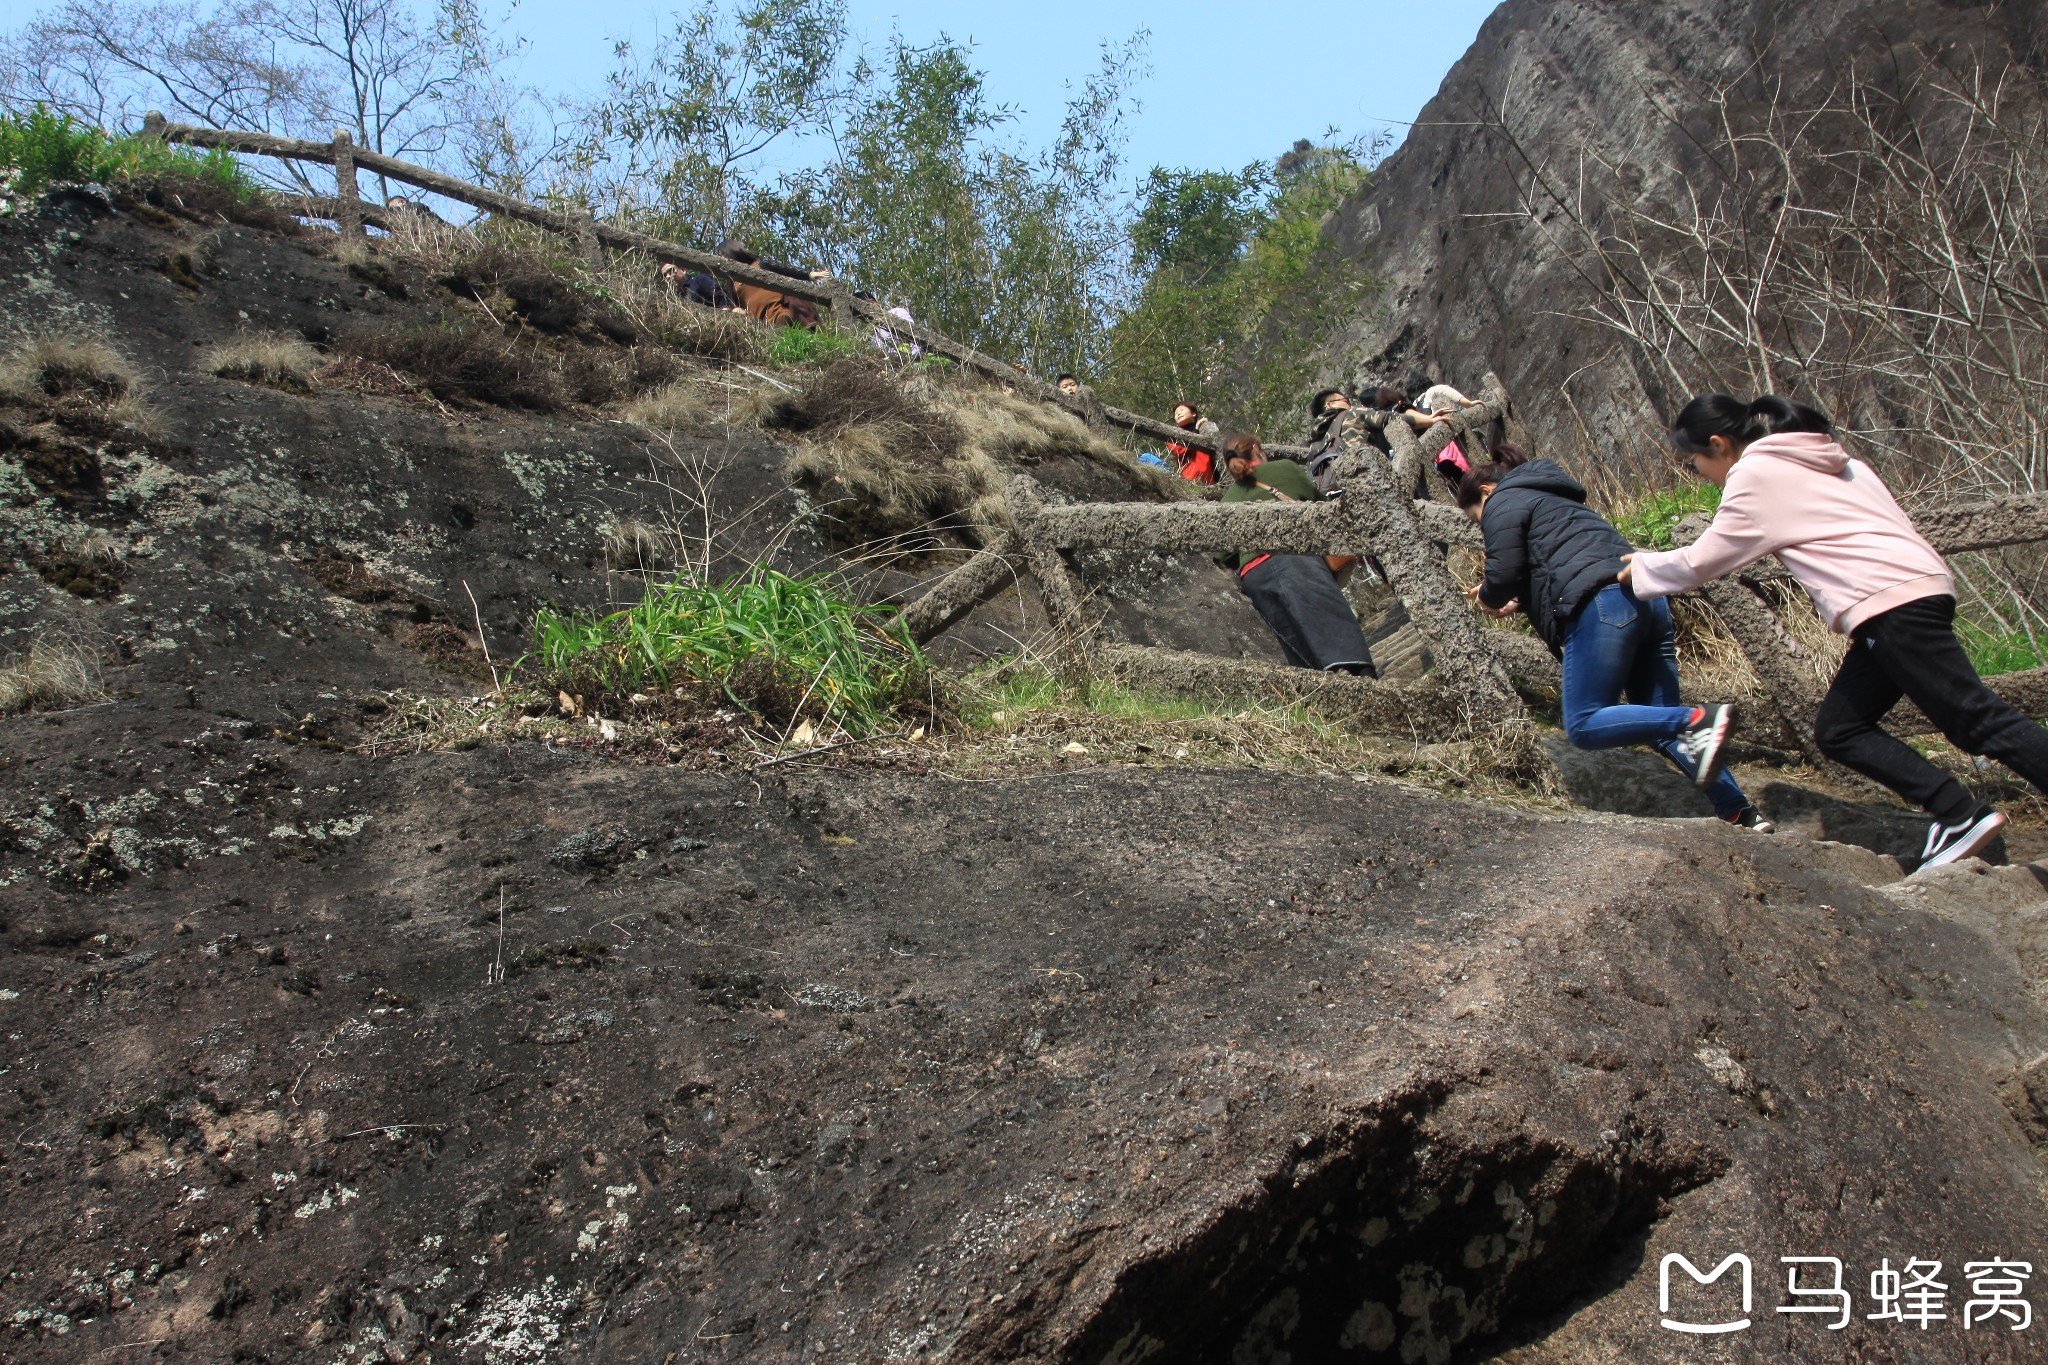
(1273, 481)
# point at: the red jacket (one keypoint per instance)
(1197, 466)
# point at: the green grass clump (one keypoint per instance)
(44, 148)
(777, 646)
(1018, 692)
(799, 346)
(1647, 521)
(1994, 652)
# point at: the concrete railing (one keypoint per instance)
(1375, 514)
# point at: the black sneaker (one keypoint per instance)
(1749, 817)
(1702, 741)
(1953, 843)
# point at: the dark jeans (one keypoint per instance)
(1619, 647)
(1912, 651)
(1299, 598)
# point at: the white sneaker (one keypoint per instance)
(1750, 818)
(1953, 843)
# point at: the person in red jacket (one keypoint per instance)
(1197, 466)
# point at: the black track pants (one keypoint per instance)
(1912, 651)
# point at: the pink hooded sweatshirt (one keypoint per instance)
(1828, 517)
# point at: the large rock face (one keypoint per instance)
(320, 1049)
(872, 1066)
(1472, 283)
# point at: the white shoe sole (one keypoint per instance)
(1980, 834)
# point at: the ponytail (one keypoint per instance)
(1739, 423)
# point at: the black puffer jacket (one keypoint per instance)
(1545, 546)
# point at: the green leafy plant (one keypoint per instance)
(798, 346)
(1649, 519)
(1994, 652)
(42, 148)
(778, 646)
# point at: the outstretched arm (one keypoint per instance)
(1737, 537)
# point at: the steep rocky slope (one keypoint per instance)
(318, 1048)
(1471, 283)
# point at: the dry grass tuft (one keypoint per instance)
(54, 675)
(861, 392)
(428, 242)
(672, 408)
(900, 457)
(766, 406)
(282, 362)
(54, 364)
(1011, 430)
(633, 546)
(460, 364)
(882, 464)
(692, 328)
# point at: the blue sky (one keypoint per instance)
(1230, 84)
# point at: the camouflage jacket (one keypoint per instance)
(1345, 433)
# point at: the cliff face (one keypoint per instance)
(1473, 280)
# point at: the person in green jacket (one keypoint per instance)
(1296, 595)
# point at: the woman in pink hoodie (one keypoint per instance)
(1789, 489)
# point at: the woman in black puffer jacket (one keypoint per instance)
(1549, 554)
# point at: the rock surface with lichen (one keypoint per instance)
(322, 1044)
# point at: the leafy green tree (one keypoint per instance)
(680, 123)
(1019, 255)
(1225, 265)
(1196, 222)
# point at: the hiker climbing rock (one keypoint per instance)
(1297, 595)
(1549, 554)
(1789, 489)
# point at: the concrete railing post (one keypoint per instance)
(1385, 517)
(1057, 584)
(349, 206)
(586, 239)
(961, 591)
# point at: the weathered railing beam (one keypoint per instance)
(961, 591)
(1426, 709)
(1386, 515)
(348, 199)
(1201, 527)
(1989, 524)
(1448, 526)
(1065, 600)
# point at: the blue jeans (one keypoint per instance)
(1619, 646)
